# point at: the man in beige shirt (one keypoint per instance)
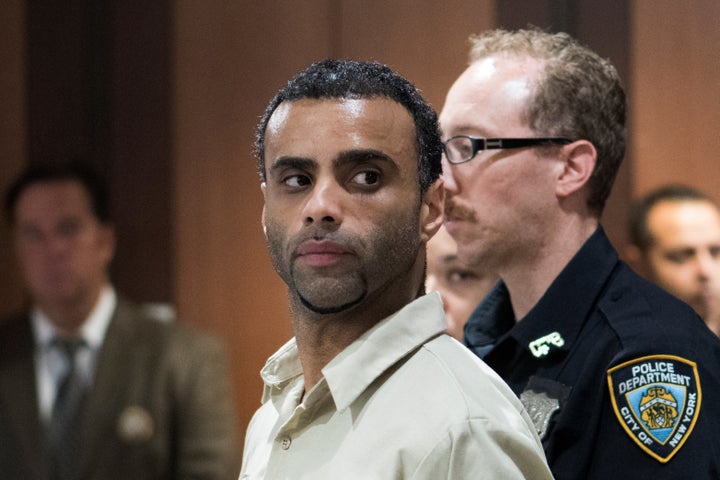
(370, 387)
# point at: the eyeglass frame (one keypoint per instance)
(482, 144)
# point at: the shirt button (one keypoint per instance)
(285, 443)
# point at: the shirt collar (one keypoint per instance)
(92, 330)
(562, 309)
(357, 366)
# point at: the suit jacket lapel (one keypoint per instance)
(18, 392)
(106, 396)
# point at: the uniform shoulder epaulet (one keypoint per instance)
(635, 309)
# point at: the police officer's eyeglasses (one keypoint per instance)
(462, 148)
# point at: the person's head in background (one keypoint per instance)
(64, 240)
(675, 242)
(462, 287)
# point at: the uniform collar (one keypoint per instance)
(554, 323)
(489, 321)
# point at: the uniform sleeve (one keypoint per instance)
(480, 449)
(207, 445)
(622, 457)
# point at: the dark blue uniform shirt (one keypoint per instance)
(621, 379)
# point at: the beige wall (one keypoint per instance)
(676, 94)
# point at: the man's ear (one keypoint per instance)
(432, 210)
(579, 159)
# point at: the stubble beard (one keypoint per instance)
(388, 252)
(333, 309)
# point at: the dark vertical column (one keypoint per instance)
(140, 147)
(58, 78)
(13, 59)
(99, 83)
(99, 87)
(604, 27)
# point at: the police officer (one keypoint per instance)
(621, 379)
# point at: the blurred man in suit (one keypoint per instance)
(90, 386)
(675, 242)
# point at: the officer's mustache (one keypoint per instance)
(457, 212)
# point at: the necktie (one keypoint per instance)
(63, 434)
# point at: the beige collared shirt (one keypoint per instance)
(404, 401)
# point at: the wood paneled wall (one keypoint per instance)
(676, 94)
(13, 147)
(172, 96)
(229, 62)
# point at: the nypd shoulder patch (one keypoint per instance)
(656, 400)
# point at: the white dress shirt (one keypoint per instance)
(50, 363)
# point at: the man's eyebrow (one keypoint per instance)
(344, 158)
(450, 258)
(300, 163)
(465, 129)
(682, 251)
(361, 155)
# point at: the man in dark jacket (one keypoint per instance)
(623, 380)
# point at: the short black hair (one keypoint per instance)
(55, 171)
(640, 234)
(357, 79)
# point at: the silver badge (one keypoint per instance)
(540, 408)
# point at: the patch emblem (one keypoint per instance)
(656, 400)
